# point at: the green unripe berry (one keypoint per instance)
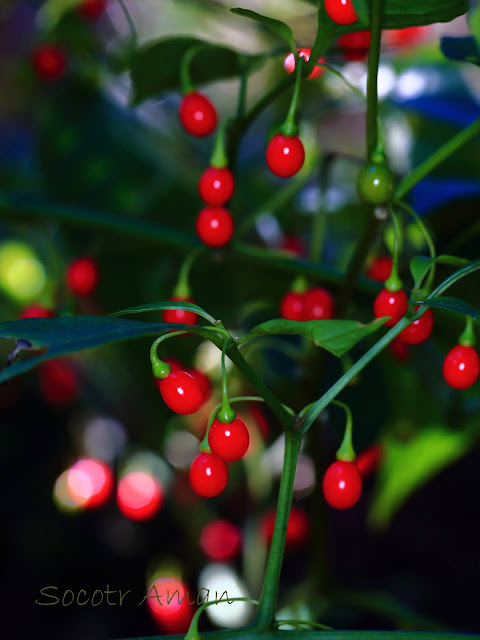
(376, 183)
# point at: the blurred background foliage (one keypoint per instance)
(407, 555)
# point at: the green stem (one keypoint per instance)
(266, 612)
(346, 450)
(319, 219)
(160, 368)
(131, 24)
(289, 127)
(226, 414)
(372, 83)
(219, 158)
(193, 633)
(185, 78)
(468, 339)
(182, 288)
(437, 158)
(393, 282)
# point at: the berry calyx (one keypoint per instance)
(355, 45)
(198, 115)
(390, 303)
(368, 461)
(208, 475)
(49, 62)
(418, 331)
(82, 276)
(461, 367)
(376, 183)
(181, 392)
(179, 315)
(318, 304)
(216, 186)
(220, 540)
(289, 63)
(214, 226)
(341, 11)
(380, 268)
(35, 311)
(92, 9)
(228, 441)
(291, 306)
(285, 155)
(342, 484)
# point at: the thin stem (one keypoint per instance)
(289, 127)
(346, 450)
(131, 24)
(185, 77)
(319, 219)
(193, 633)
(160, 368)
(182, 288)
(226, 414)
(393, 282)
(266, 612)
(219, 158)
(372, 84)
(437, 158)
(468, 339)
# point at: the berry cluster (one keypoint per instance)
(314, 304)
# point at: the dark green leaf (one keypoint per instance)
(64, 336)
(421, 265)
(156, 66)
(406, 13)
(161, 306)
(278, 27)
(336, 336)
(451, 304)
(462, 49)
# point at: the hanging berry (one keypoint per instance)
(376, 182)
(391, 303)
(208, 475)
(82, 276)
(285, 155)
(215, 226)
(419, 330)
(198, 115)
(291, 306)
(380, 268)
(318, 304)
(341, 11)
(461, 367)
(355, 45)
(228, 440)
(216, 186)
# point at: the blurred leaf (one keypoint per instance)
(474, 21)
(278, 27)
(410, 464)
(162, 306)
(462, 49)
(336, 336)
(52, 11)
(156, 66)
(421, 265)
(451, 304)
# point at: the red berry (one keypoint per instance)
(342, 484)
(92, 9)
(391, 304)
(418, 331)
(380, 268)
(289, 63)
(49, 62)
(291, 307)
(405, 37)
(355, 45)
(229, 441)
(318, 304)
(82, 276)
(215, 226)
(181, 392)
(341, 11)
(399, 350)
(35, 311)
(461, 367)
(367, 462)
(298, 528)
(203, 381)
(179, 315)
(170, 604)
(285, 155)
(260, 421)
(139, 495)
(216, 186)
(208, 475)
(197, 115)
(58, 382)
(220, 540)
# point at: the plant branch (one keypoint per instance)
(372, 86)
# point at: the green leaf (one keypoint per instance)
(474, 21)
(464, 49)
(336, 336)
(421, 265)
(405, 13)
(410, 464)
(278, 27)
(162, 306)
(64, 336)
(155, 67)
(451, 304)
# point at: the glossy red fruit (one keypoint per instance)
(399, 350)
(82, 276)
(170, 603)
(208, 475)
(461, 367)
(318, 304)
(216, 186)
(215, 226)
(58, 382)
(418, 331)
(342, 484)
(92, 9)
(285, 155)
(139, 495)
(181, 393)
(203, 381)
(291, 306)
(220, 540)
(341, 11)
(229, 441)
(179, 315)
(289, 63)
(355, 45)
(298, 528)
(35, 311)
(380, 268)
(198, 115)
(49, 62)
(391, 304)
(368, 461)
